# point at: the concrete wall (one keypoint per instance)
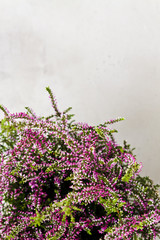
(99, 56)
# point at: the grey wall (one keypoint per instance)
(99, 56)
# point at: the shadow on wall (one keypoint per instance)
(143, 97)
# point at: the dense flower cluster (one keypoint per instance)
(71, 181)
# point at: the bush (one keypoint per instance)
(71, 181)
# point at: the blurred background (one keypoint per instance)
(101, 57)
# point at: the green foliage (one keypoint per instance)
(8, 134)
(67, 209)
(130, 171)
(112, 205)
(37, 220)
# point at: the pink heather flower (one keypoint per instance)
(67, 180)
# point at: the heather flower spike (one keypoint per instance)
(71, 181)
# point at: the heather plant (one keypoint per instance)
(71, 181)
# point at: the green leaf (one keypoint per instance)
(10, 237)
(130, 171)
(100, 132)
(138, 226)
(135, 236)
(121, 149)
(112, 161)
(69, 177)
(109, 230)
(121, 204)
(88, 231)
(37, 220)
(67, 110)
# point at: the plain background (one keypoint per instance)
(99, 56)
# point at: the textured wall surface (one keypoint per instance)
(99, 56)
